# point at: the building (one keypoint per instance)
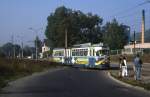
(137, 48)
(45, 48)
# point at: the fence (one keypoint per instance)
(115, 52)
(130, 51)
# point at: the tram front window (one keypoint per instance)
(102, 52)
(98, 53)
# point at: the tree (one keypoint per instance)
(115, 35)
(1, 53)
(81, 27)
(28, 51)
(9, 49)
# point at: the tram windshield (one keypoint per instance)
(102, 52)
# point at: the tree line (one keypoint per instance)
(83, 28)
(11, 50)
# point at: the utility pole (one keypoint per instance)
(66, 44)
(13, 46)
(134, 43)
(66, 39)
(21, 44)
(22, 50)
(36, 47)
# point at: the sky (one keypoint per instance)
(18, 16)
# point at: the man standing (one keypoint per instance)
(138, 66)
(124, 67)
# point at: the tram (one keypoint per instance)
(88, 55)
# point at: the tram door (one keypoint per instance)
(92, 58)
(91, 61)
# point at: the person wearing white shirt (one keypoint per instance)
(124, 67)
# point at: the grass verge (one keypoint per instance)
(130, 80)
(11, 69)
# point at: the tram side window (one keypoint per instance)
(85, 53)
(73, 53)
(79, 52)
(58, 53)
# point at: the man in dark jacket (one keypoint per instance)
(138, 66)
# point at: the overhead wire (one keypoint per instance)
(129, 9)
(134, 18)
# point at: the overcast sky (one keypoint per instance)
(17, 16)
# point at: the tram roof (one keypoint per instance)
(84, 45)
(89, 45)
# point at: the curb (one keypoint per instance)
(128, 85)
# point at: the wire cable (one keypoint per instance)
(129, 10)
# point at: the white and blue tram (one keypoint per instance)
(93, 56)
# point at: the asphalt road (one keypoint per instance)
(69, 82)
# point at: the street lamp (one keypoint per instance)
(14, 49)
(21, 54)
(36, 48)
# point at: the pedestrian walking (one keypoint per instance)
(124, 67)
(137, 65)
